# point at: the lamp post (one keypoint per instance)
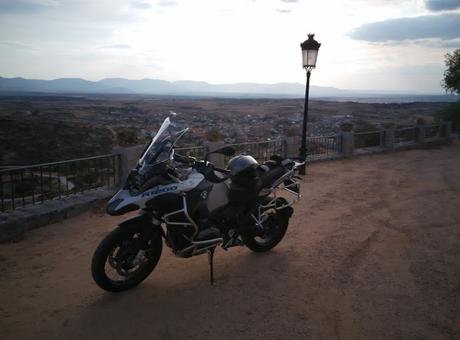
(310, 49)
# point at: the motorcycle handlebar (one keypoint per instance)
(184, 159)
(207, 169)
(224, 171)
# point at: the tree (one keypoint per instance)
(213, 135)
(451, 82)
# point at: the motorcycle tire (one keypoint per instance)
(277, 227)
(115, 241)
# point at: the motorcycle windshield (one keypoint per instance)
(161, 147)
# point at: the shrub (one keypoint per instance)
(346, 126)
(367, 135)
(450, 113)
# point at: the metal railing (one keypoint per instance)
(432, 131)
(193, 151)
(322, 147)
(405, 135)
(367, 139)
(261, 151)
(26, 185)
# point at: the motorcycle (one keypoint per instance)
(194, 206)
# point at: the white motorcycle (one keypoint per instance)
(195, 207)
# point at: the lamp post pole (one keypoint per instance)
(303, 148)
(310, 49)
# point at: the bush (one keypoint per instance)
(450, 113)
(366, 127)
(420, 121)
(346, 126)
(366, 135)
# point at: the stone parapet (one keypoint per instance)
(14, 224)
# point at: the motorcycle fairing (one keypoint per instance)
(123, 198)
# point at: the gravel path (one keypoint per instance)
(373, 251)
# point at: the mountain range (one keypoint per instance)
(177, 88)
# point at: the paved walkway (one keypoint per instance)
(373, 251)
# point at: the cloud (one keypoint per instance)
(9, 6)
(430, 43)
(451, 43)
(442, 26)
(140, 5)
(18, 46)
(117, 46)
(167, 3)
(442, 5)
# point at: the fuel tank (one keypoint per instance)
(217, 197)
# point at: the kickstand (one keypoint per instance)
(211, 268)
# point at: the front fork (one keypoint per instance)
(147, 225)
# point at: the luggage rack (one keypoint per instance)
(279, 186)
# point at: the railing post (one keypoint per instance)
(445, 129)
(420, 134)
(117, 168)
(284, 146)
(448, 130)
(382, 133)
(389, 138)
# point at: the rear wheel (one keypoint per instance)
(124, 258)
(274, 229)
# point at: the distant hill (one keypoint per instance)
(162, 87)
(183, 88)
(63, 85)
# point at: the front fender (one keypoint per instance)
(139, 221)
(121, 203)
(143, 223)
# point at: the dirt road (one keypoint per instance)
(373, 251)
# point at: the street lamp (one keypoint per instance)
(310, 48)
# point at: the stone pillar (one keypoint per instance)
(216, 159)
(445, 128)
(448, 130)
(420, 134)
(389, 138)
(128, 159)
(292, 146)
(346, 139)
(284, 146)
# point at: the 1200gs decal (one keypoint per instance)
(159, 191)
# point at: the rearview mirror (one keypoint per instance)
(226, 151)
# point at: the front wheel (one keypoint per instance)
(274, 229)
(124, 258)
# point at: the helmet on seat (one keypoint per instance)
(243, 170)
(241, 163)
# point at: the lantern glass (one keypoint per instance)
(309, 58)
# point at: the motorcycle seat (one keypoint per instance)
(269, 176)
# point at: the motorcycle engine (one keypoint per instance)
(177, 236)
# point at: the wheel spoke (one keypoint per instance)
(119, 266)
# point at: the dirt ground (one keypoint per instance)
(372, 252)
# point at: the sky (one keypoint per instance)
(365, 44)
